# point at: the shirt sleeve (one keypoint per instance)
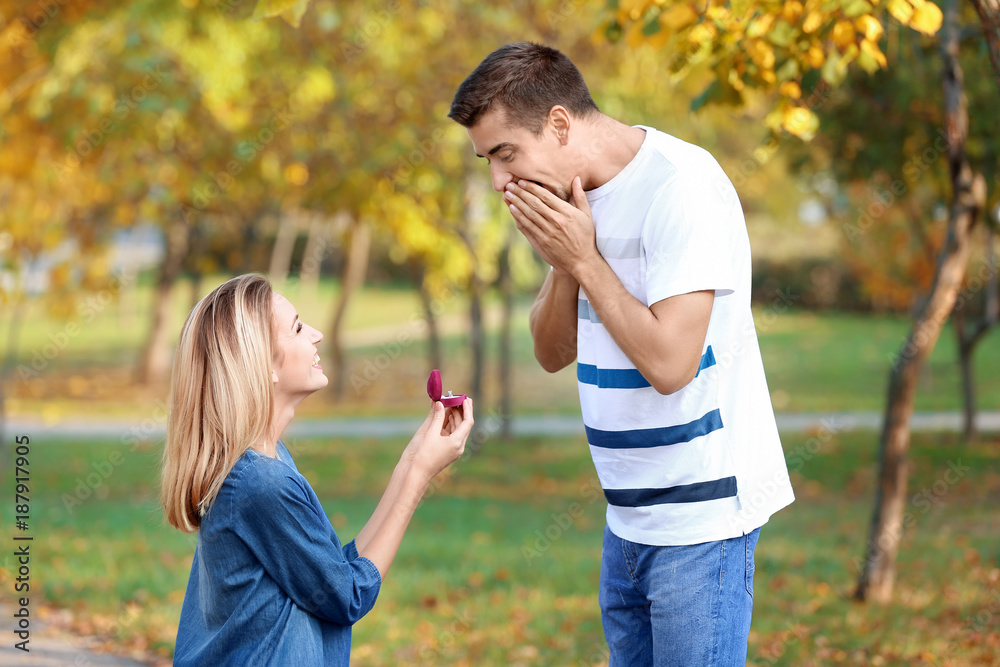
(281, 521)
(686, 239)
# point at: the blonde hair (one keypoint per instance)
(221, 395)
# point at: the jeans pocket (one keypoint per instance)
(750, 544)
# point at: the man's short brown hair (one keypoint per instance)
(525, 80)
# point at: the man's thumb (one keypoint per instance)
(579, 196)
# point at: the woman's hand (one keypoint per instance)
(440, 440)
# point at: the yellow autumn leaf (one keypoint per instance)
(658, 40)
(634, 36)
(926, 18)
(870, 26)
(871, 49)
(297, 173)
(815, 56)
(761, 53)
(293, 15)
(268, 8)
(679, 16)
(801, 122)
(791, 11)
(790, 89)
(735, 81)
(813, 21)
(901, 10)
(702, 33)
(717, 13)
(633, 9)
(849, 55)
(760, 25)
(843, 34)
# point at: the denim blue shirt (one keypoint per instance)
(270, 583)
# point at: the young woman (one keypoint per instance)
(271, 583)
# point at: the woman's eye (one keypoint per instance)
(299, 328)
(507, 158)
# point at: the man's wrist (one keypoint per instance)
(586, 268)
(560, 273)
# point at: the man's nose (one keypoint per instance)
(501, 177)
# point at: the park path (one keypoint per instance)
(52, 646)
(79, 428)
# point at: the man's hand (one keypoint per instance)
(561, 232)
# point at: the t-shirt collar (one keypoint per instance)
(627, 170)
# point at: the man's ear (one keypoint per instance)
(559, 122)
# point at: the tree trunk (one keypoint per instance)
(196, 243)
(989, 16)
(970, 335)
(506, 352)
(154, 365)
(128, 281)
(474, 215)
(433, 334)
(284, 246)
(355, 268)
(970, 431)
(317, 249)
(968, 197)
(476, 338)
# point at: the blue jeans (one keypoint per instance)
(683, 606)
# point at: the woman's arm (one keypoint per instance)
(439, 442)
(395, 484)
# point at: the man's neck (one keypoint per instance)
(608, 146)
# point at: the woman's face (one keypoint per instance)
(297, 370)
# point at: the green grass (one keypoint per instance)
(833, 361)
(475, 583)
(815, 362)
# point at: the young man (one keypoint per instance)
(650, 292)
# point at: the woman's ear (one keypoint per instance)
(274, 377)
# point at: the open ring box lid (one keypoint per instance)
(434, 386)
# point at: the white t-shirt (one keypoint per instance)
(704, 463)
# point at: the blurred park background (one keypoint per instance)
(150, 150)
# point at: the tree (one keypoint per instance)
(968, 202)
(882, 140)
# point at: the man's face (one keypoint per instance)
(514, 153)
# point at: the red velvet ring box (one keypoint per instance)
(434, 391)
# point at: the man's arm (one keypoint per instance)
(553, 321)
(664, 340)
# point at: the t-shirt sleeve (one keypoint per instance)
(282, 523)
(686, 240)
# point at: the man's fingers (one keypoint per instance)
(536, 201)
(529, 207)
(579, 196)
(544, 197)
